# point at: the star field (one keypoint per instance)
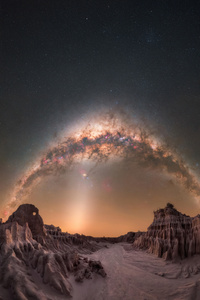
(65, 64)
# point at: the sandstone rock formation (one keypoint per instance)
(29, 254)
(172, 235)
(28, 213)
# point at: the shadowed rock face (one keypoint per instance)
(172, 235)
(28, 213)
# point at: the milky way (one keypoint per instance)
(110, 136)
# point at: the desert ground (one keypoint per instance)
(137, 275)
(131, 275)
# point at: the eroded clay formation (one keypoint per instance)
(35, 257)
(29, 254)
(172, 235)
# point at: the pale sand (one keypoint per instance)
(138, 275)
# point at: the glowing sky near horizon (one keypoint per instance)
(110, 141)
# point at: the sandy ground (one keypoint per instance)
(139, 275)
(131, 275)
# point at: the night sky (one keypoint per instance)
(99, 111)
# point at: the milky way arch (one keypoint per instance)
(99, 142)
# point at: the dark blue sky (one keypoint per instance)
(62, 59)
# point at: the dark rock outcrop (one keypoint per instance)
(172, 235)
(87, 268)
(28, 213)
(128, 237)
